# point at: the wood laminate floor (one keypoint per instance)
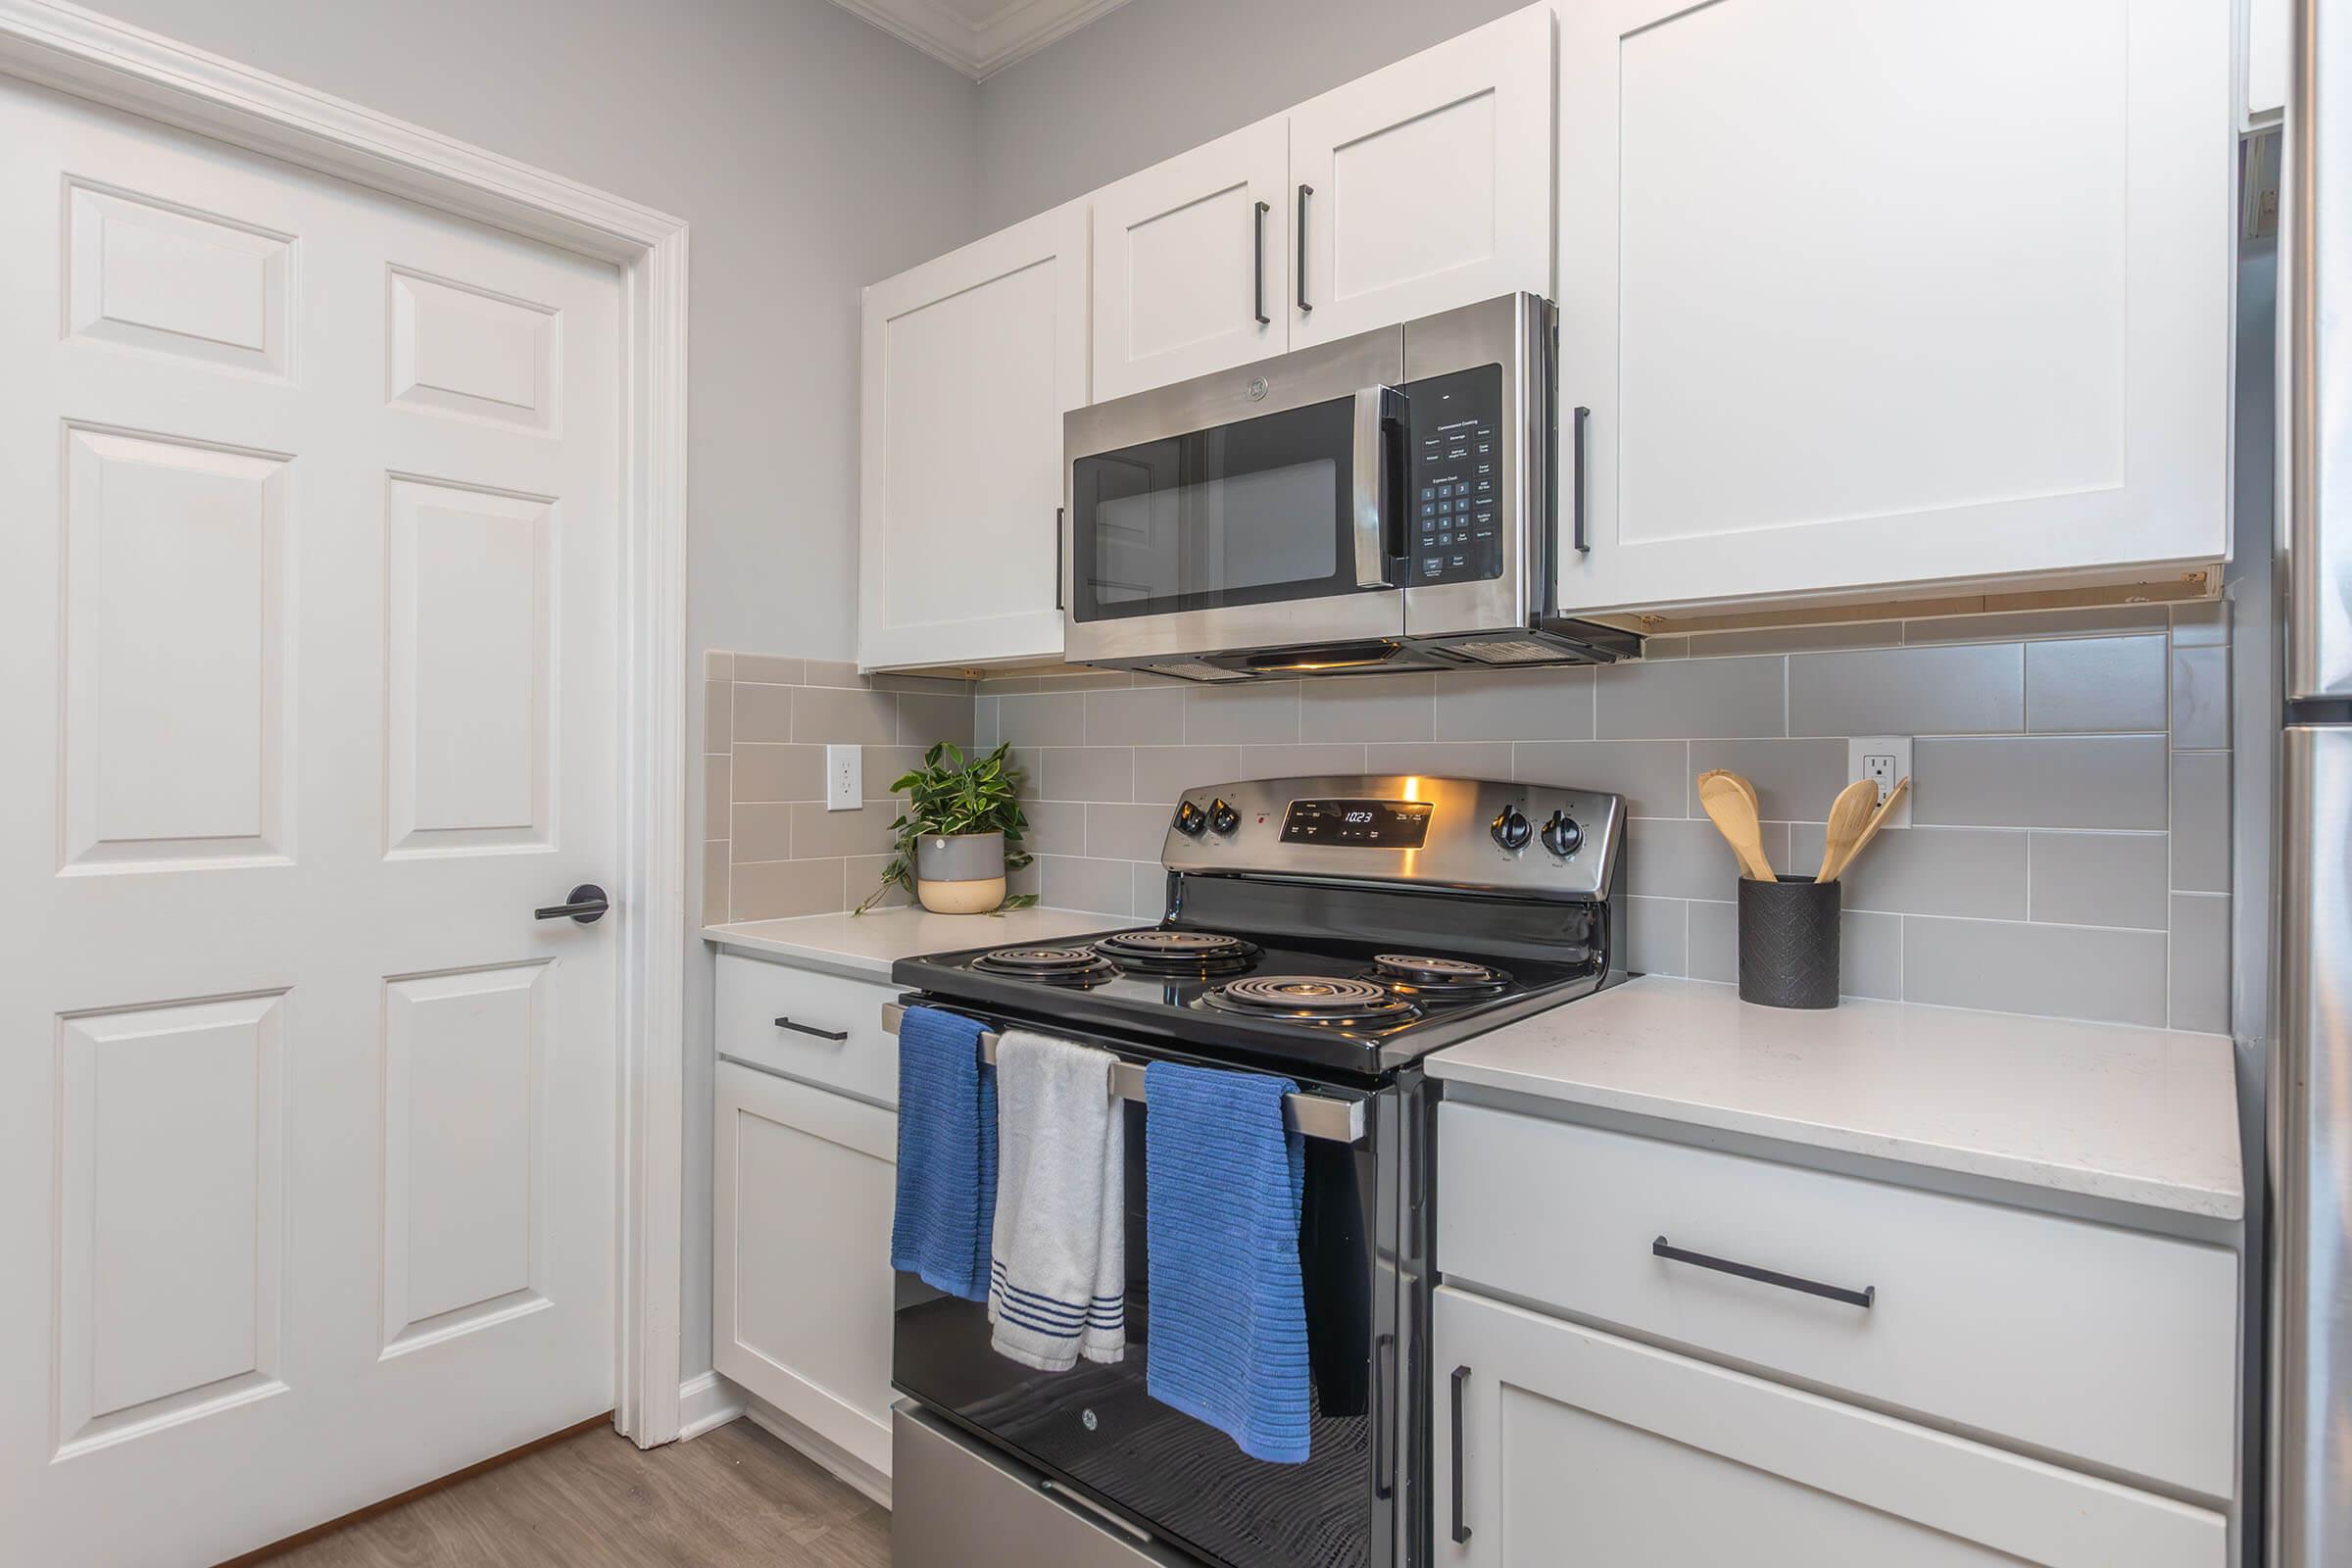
(733, 1496)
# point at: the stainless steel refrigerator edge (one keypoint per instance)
(2310, 1142)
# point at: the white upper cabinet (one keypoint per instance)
(1867, 296)
(1426, 185)
(1193, 264)
(969, 362)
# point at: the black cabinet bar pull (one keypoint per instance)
(1305, 191)
(1384, 1374)
(1461, 1530)
(585, 903)
(1865, 1297)
(1263, 320)
(1584, 546)
(806, 1029)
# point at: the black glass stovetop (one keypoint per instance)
(1356, 1006)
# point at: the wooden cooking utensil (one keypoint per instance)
(1878, 820)
(1732, 811)
(1849, 818)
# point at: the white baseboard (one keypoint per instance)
(831, 1456)
(707, 1402)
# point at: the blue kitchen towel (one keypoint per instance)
(946, 1202)
(1228, 1326)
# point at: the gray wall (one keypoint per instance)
(1157, 76)
(811, 153)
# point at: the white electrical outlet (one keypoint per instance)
(845, 778)
(1884, 760)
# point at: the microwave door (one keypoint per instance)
(1204, 522)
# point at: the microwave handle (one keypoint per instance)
(1378, 410)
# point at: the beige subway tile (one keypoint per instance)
(777, 890)
(719, 728)
(769, 771)
(762, 832)
(718, 665)
(829, 715)
(718, 795)
(714, 882)
(763, 713)
(769, 671)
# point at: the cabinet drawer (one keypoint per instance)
(2107, 1345)
(1557, 1443)
(753, 995)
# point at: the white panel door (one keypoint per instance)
(1427, 185)
(969, 362)
(805, 1288)
(307, 1127)
(1842, 327)
(1578, 1447)
(1192, 263)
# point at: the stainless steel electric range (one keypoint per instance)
(1332, 931)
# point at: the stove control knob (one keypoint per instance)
(1511, 829)
(1190, 820)
(1561, 835)
(1222, 817)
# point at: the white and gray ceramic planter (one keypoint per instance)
(959, 874)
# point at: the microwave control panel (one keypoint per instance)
(1455, 477)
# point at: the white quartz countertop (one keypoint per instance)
(865, 945)
(2140, 1117)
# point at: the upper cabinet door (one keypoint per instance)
(1191, 264)
(1842, 325)
(969, 363)
(1425, 185)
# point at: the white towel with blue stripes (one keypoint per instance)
(1057, 1270)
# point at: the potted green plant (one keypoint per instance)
(960, 833)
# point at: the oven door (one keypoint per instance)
(1096, 1433)
(1259, 508)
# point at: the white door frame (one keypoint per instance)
(110, 63)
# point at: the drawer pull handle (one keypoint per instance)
(1461, 1529)
(810, 1029)
(1865, 1297)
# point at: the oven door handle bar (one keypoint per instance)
(1318, 1116)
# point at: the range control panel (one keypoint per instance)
(1455, 477)
(1406, 829)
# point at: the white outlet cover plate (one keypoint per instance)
(845, 778)
(1898, 747)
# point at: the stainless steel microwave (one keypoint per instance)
(1382, 502)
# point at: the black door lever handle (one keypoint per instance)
(585, 903)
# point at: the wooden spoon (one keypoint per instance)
(1733, 812)
(1849, 820)
(1878, 820)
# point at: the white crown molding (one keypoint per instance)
(1012, 32)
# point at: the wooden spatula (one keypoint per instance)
(1732, 811)
(1849, 820)
(1878, 820)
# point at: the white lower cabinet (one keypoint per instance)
(1577, 1446)
(803, 1187)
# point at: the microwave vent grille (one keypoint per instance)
(1512, 653)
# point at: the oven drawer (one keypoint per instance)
(753, 995)
(2113, 1346)
(956, 1504)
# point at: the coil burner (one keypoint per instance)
(1052, 967)
(1427, 979)
(1332, 1001)
(1201, 954)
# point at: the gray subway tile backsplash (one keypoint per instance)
(2105, 781)
(2059, 971)
(1973, 873)
(1687, 698)
(2099, 879)
(2069, 854)
(2076, 685)
(1963, 690)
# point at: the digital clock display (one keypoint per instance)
(1358, 824)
